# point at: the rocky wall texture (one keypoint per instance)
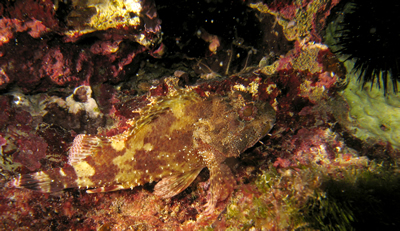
(107, 69)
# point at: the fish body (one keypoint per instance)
(172, 141)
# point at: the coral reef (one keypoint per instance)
(329, 162)
(73, 41)
(299, 19)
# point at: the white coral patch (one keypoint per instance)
(90, 106)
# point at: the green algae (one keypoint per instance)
(362, 198)
(318, 198)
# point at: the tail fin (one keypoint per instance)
(46, 181)
(57, 179)
(39, 181)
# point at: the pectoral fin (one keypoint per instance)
(222, 184)
(222, 181)
(172, 185)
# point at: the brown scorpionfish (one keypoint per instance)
(174, 138)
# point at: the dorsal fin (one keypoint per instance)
(158, 106)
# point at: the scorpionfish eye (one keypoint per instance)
(248, 112)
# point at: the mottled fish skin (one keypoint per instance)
(172, 141)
